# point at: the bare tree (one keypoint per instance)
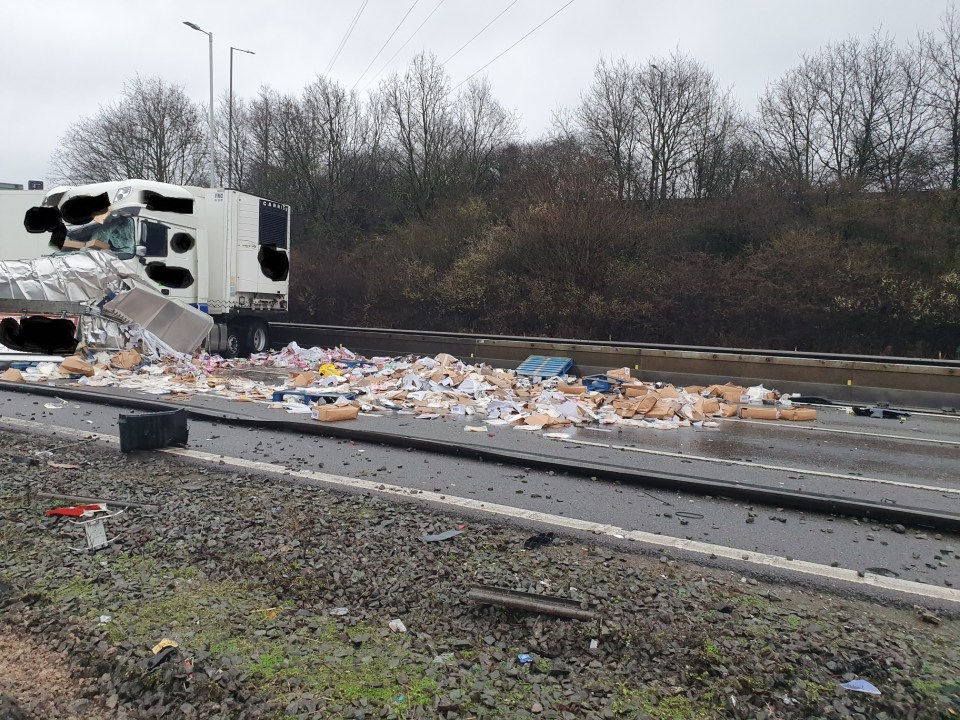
(422, 127)
(484, 127)
(788, 128)
(834, 73)
(674, 97)
(902, 142)
(154, 132)
(944, 88)
(609, 116)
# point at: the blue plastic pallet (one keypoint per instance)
(544, 366)
(326, 397)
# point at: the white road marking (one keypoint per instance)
(814, 428)
(762, 466)
(933, 592)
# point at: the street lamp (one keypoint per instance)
(230, 122)
(210, 128)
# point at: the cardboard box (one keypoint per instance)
(727, 410)
(542, 419)
(625, 408)
(732, 395)
(759, 413)
(711, 406)
(798, 414)
(571, 389)
(75, 366)
(635, 390)
(12, 375)
(621, 373)
(694, 389)
(126, 359)
(334, 413)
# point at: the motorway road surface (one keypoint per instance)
(912, 463)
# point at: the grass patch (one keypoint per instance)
(711, 650)
(754, 601)
(634, 703)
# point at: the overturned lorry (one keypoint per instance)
(192, 266)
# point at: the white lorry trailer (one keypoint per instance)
(221, 251)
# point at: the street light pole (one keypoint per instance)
(230, 121)
(210, 126)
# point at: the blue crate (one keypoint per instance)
(544, 366)
(312, 395)
(601, 382)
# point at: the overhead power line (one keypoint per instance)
(466, 79)
(346, 37)
(405, 43)
(479, 33)
(385, 42)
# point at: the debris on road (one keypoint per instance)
(439, 537)
(335, 385)
(539, 540)
(861, 686)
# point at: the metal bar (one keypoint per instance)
(531, 602)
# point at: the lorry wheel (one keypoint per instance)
(258, 339)
(236, 341)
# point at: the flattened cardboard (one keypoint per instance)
(646, 404)
(571, 389)
(661, 410)
(668, 391)
(635, 390)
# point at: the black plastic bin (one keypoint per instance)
(150, 431)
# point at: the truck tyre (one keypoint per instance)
(236, 341)
(258, 337)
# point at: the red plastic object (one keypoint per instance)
(77, 511)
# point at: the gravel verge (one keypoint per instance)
(250, 576)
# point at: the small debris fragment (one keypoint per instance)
(396, 625)
(439, 537)
(861, 686)
(539, 540)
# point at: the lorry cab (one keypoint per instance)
(222, 251)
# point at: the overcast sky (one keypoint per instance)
(61, 59)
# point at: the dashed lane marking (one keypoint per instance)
(760, 466)
(933, 592)
(860, 433)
